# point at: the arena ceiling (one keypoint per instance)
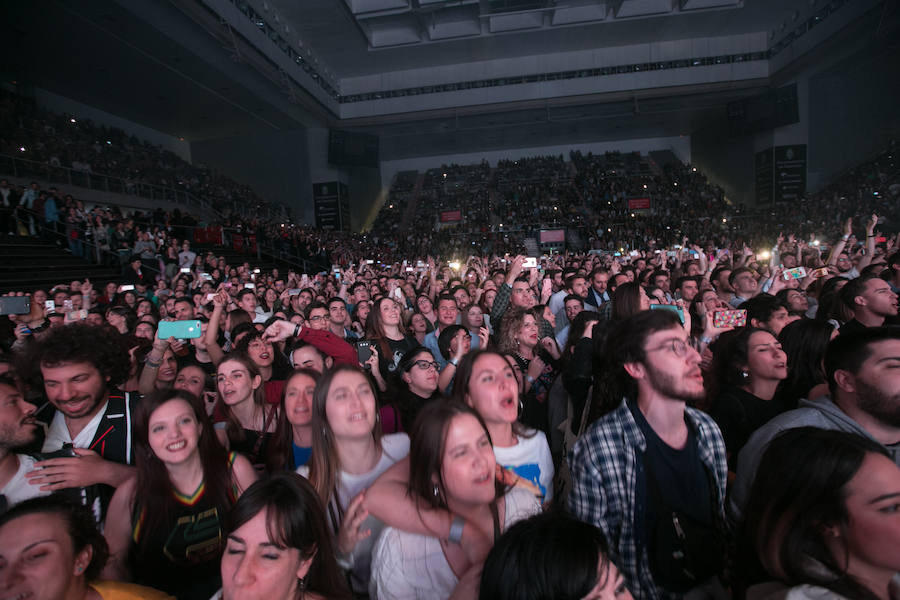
(174, 66)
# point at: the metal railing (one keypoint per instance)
(20, 167)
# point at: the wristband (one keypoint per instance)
(705, 340)
(43, 326)
(456, 530)
(153, 364)
(454, 361)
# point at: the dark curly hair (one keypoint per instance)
(103, 347)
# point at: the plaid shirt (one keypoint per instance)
(606, 467)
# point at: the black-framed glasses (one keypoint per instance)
(316, 318)
(426, 364)
(675, 346)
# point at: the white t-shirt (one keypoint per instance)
(58, 434)
(394, 447)
(409, 565)
(18, 489)
(530, 459)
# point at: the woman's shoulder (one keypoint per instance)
(395, 445)
(520, 504)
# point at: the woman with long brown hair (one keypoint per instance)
(385, 328)
(164, 526)
(348, 454)
(243, 420)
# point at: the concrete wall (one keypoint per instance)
(274, 163)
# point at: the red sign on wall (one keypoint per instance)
(451, 216)
(638, 203)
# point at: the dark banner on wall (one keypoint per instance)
(764, 177)
(332, 206)
(790, 172)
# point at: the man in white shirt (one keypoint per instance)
(81, 366)
(186, 257)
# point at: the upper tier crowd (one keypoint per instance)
(690, 409)
(65, 141)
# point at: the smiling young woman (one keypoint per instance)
(174, 542)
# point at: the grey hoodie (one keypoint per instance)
(821, 413)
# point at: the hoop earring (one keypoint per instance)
(745, 374)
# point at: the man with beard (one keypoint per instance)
(80, 367)
(863, 373)
(18, 428)
(652, 458)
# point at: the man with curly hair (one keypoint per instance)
(80, 367)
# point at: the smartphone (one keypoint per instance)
(820, 272)
(634, 253)
(671, 253)
(617, 254)
(228, 286)
(364, 351)
(369, 261)
(77, 315)
(126, 288)
(294, 292)
(529, 263)
(67, 305)
(15, 305)
(180, 330)
(730, 318)
(694, 254)
(256, 271)
(880, 239)
(205, 276)
(795, 273)
(250, 286)
(409, 269)
(50, 305)
(209, 297)
(337, 268)
(185, 270)
(678, 311)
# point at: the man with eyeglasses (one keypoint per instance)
(317, 316)
(337, 319)
(653, 469)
